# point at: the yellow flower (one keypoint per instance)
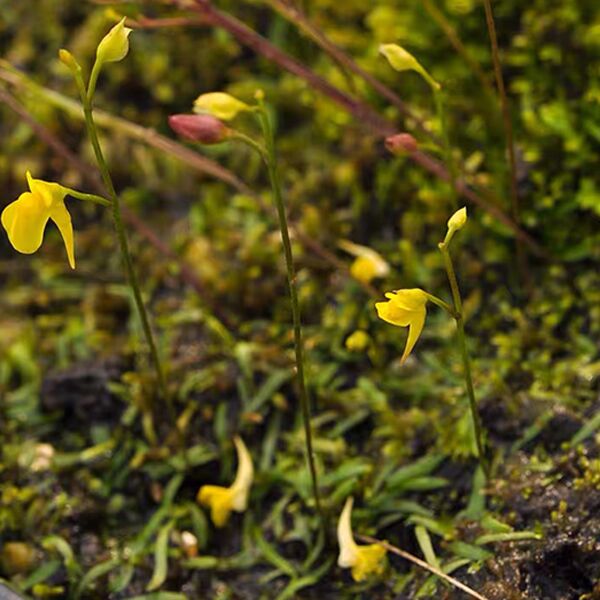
(357, 341)
(368, 264)
(402, 60)
(405, 308)
(363, 560)
(223, 500)
(220, 105)
(25, 219)
(114, 46)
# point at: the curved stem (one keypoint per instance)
(246, 139)
(466, 360)
(89, 197)
(122, 238)
(93, 80)
(271, 162)
(444, 305)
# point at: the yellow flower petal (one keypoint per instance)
(370, 560)
(244, 476)
(363, 269)
(368, 264)
(405, 308)
(25, 220)
(357, 341)
(51, 193)
(414, 331)
(348, 547)
(61, 217)
(223, 500)
(411, 299)
(363, 560)
(220, 501)
(393, 314)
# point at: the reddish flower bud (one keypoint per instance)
(401, 143)
(205, 129)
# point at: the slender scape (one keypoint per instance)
(270, 159)
(458, 316)
(86, 99)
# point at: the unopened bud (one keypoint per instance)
(220, 105)
(401, 143)
(114, 46)
(205, 129)
(458, 219)
(402, 60)
(68, 59)
(189, 544)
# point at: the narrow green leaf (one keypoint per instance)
(269, 552)
(419, 468)
(161, 549)
(94, 573)
(426, 546)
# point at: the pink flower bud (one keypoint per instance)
(205, 129)
(401, 143)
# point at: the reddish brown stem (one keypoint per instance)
(438, 16)
(262, 46)
(297, 17)
(508, 128)
(91, 174)
(363, 113)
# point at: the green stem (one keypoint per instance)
(444, 305)
(91, 90)
(271, 162)
(246, 139)
(447, 149)
(122, 237)
(462, 340)
(89, 197)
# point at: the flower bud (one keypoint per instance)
(114, 45)
(205, 129)
(402, 60)
(66, 58)
(189, 544)
(401, 143)
(220, 105)
(458, 219)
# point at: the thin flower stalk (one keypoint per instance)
(462, 341)
(408, 308)
(86, 96)
(271, 163)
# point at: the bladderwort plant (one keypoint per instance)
(407, 308)
(402, 60)
(113, 48)
(207, 127)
